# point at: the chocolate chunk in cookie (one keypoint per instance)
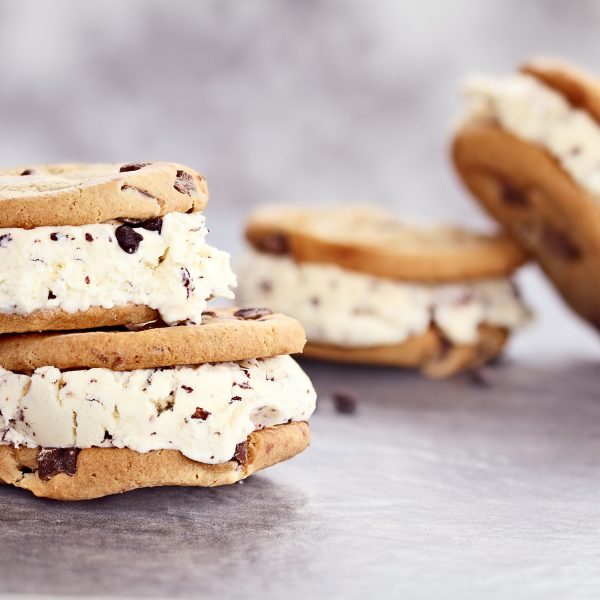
(52, 461)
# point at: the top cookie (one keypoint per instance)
(226, 335)
(581, 89)
(368, 240)
(79, 194)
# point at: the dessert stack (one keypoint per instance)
(113, 373)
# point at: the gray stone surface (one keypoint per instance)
(432, 489)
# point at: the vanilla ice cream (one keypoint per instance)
(536, 113)
(202, 411)
(165, 264)
(351, 309)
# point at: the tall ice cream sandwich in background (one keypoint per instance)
(113, 373)
(529, 151)
(370, 289)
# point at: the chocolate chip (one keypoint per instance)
(51, 295)
(129, 240)
(187, 388)
(200, 413)
(126, 186)
(54, 237)
(87, 279)
(184, 183)
(512, 195)
(211, 314)
(156, 324)
(559, 243)
(89, 237)
(52, 461)
(274, 243)
(252, 313)
(27, 172)
(266, 286)
(5, 240)
(241, 452)
(344, 403)
(188, 283)
(154, 224)
(107, 436)
(235, 399)
(132, 167)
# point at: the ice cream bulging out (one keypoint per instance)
(166, 265)
(202, 411)
(351, 309)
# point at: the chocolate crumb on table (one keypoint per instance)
(344, 402)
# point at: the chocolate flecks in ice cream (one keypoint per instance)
(150, 276)
(181, 408)
(351, 309)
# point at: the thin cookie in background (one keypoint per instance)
(370, 289)
(84, 246)
(196, 405)
(529, 151)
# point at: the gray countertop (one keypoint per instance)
(432, 489)
(465, 488)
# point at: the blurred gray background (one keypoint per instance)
(280, 100)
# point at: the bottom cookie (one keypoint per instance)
(429, 352)
(98, 472)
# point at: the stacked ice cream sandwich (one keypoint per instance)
(146, 387)
(371, 289)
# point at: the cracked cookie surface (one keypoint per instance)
(79, 194)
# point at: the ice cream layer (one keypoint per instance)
(165, 264)
(203, 411)
(536, 113)
(350, 309)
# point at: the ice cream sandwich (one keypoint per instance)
(371, 289)
(529, 151)
(93, 413)
(85, 246)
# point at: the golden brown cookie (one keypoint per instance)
(225, 335)
(98, 472)
(525, 188)
(581, 89)
(59, 320)
(78, 194)
(367, 240)
(429, 352)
